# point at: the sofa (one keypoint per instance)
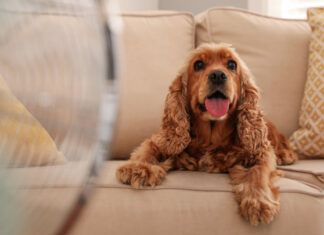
(155, 44)
(154, 47)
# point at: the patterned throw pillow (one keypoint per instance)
(308, 140)
(23, 140)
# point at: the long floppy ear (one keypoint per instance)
(174, 134)
(251, 128)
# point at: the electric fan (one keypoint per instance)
(57, 108)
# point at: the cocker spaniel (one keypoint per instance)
(212, 122)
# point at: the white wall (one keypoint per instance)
(138, 5)
(266, 7)
(194, 6)
(197, 6)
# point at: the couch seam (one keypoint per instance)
(318, 194)
(301, 171)
(300, 179)
(307, 184)
(107, 186)
(193, 32)
(209, 28)
(320, 178)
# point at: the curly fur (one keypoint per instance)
(243, 143)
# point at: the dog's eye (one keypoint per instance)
(231, 64)
(198, 65)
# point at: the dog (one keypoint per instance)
(212, 122)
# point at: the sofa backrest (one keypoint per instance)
(275, 50)
(155, 45)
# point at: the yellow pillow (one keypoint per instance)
(23, 140)
(308, 140)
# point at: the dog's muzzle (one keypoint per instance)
(217, 77)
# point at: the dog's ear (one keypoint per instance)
(174, 134)
(251, 128)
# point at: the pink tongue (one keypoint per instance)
(217, 107)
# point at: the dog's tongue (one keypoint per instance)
(217, 107)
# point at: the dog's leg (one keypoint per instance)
(285, 156)
(258, 198)
(144, 168)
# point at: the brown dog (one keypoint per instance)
(212, 122)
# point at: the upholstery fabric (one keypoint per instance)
(309, 172)
(275, 50)
(201, 203)
(155, 46)
(192, 203)
(185, 203)
(187, 180)
(308, 140)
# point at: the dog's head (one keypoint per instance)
(214, 84)
(215, 76)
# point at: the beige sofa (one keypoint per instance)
(155, 45)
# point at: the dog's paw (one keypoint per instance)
(140, 174)
(286, 157)
(259, 210)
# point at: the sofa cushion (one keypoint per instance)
(201, 181)
(49, 176)
(155, 46)
(308, 140)
(192, 203)
(185, 203)
(276, 51)
(309, 172)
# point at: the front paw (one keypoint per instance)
(259, 209)
(286, 157)
(140, 174)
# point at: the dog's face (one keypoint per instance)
(214, 78)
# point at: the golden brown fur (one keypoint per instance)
(242, 142)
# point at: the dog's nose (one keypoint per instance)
(217, 76)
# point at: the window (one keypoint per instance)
(296, 9)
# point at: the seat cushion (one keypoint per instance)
(43, 196)
(171, 207)
(276, 51)
(309, 172)
(155, 45)
(192, 203)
